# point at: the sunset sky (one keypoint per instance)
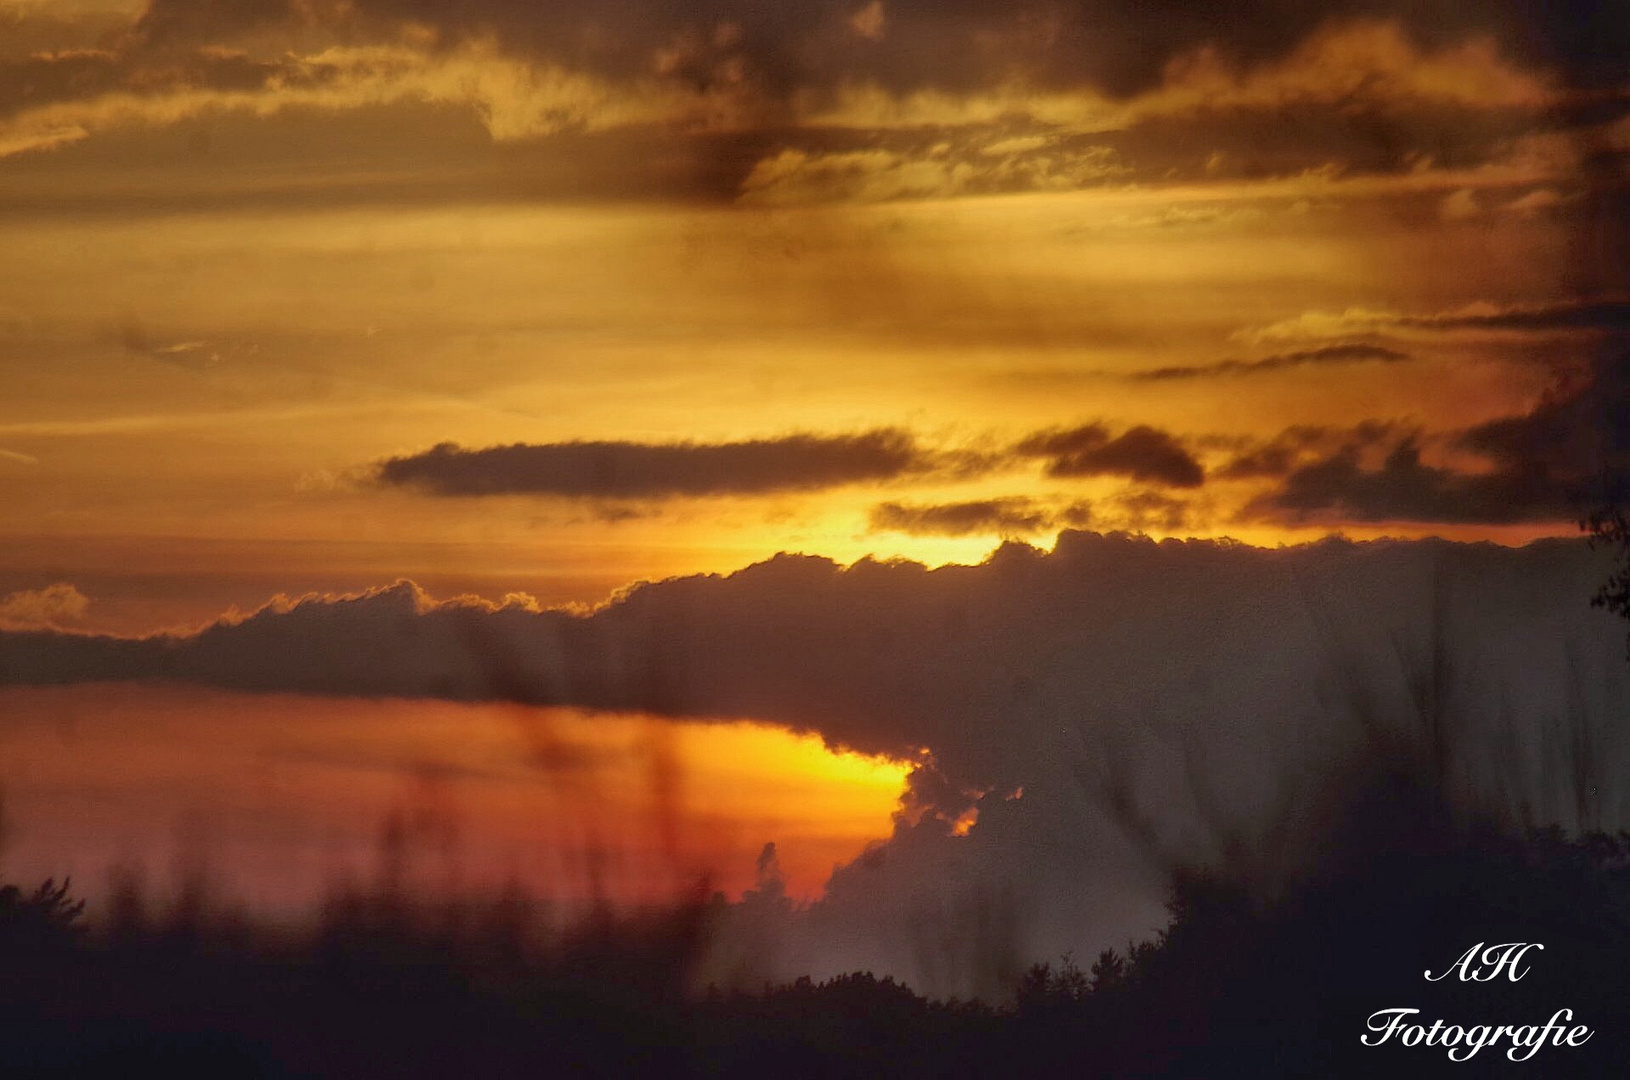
(532, 302)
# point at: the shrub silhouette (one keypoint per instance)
(45, 919)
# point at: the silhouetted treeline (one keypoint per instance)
(1241, 987)
(1238, 985)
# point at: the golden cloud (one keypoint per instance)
(515, 99)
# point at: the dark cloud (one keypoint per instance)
(1143, 511)
(82, 74)
(1141, 453)
(28, 30)
(1015, 516)
(1402, 488)
(387, 155)
(1282, 454)
(1599, 313)
(1275, 458)
(50, 658)
(1064, 441)
(1545, 465)
(49, 78)
(1330, 354)
(1122, 46)
(1577, 437)
(202, 21)
(731, 87)
(627, 470)
(1246, 145)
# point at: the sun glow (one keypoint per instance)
(280, 797)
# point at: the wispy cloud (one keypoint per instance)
(1601, 313)
(1009, 516)
(1302, 358)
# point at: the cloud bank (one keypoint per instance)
(1159, 704)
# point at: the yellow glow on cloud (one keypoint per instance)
(514, 99)
(1358, 63)
(1367, 63)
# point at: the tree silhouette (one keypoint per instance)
(1606, 495)
(1608, 523)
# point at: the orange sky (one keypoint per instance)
(223, 382)
(276, 799)
(847, 280)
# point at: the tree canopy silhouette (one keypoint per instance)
(1609, 523)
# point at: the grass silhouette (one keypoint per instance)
(1236, 985)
